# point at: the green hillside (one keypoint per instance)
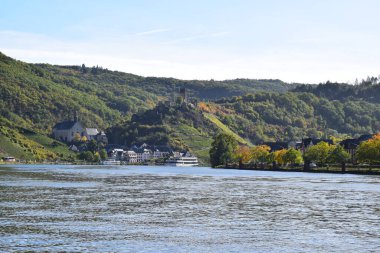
(39, 95)
(294, 115)
(31, 146)
(180, 126)
(132, 109)
(225, 128)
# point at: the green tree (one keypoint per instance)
(83, 69)
(292, 156)
(96, 158)
(92, 146)
(222, 149)
(86, 156)
(103, 154)
(339, 155)
(318, 153)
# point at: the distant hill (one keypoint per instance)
(368, 90)
(39, 95)
(266, 116)
(131, 108)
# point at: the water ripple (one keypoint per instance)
(150, 209)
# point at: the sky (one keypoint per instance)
(296, 41)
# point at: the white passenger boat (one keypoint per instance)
(110, 161)
(182, 161)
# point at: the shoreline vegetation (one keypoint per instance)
(325, 156)
(358, 170)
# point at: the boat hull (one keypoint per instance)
(181, 165)
(110, 163)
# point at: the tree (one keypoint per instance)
(96, 158)
(293, 156)
(369, 151)
(243, 154)
(260, 153)
(318, 153)
(83, 69)
(279, 156)
(77, 137)
(222, 149)
(339, 155)
(87, 156)
(92, 146)
(103, 154)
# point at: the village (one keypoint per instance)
(74, 134)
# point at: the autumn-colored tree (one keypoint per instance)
(376, 137)
(279, 156)
(84, 139)
(259, 153)
(77, 137)
(97, 157)
(369, 151)
(243, 154)
(203, 106)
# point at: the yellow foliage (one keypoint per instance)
(77, 137)
(260, 153)
(203, 107)
(376, 137)
(279, 156)
(243, 154)
(369, 151)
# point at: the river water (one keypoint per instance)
(57, 208)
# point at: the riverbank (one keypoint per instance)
(367, 170)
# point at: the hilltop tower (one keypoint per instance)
(183, 94)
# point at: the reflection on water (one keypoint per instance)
(150, 209)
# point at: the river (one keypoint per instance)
(69, 208)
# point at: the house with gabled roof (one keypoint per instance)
(67, 130)
(350, 145)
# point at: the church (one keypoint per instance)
(66, 131)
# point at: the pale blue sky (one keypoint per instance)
(296, 41)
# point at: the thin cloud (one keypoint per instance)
(219, 34)
(170, 42)
(150, 32)
(190, 38)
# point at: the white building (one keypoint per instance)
(160, 154)
(130, 156)
(117, 154)
(143, 155)
(91, 133)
